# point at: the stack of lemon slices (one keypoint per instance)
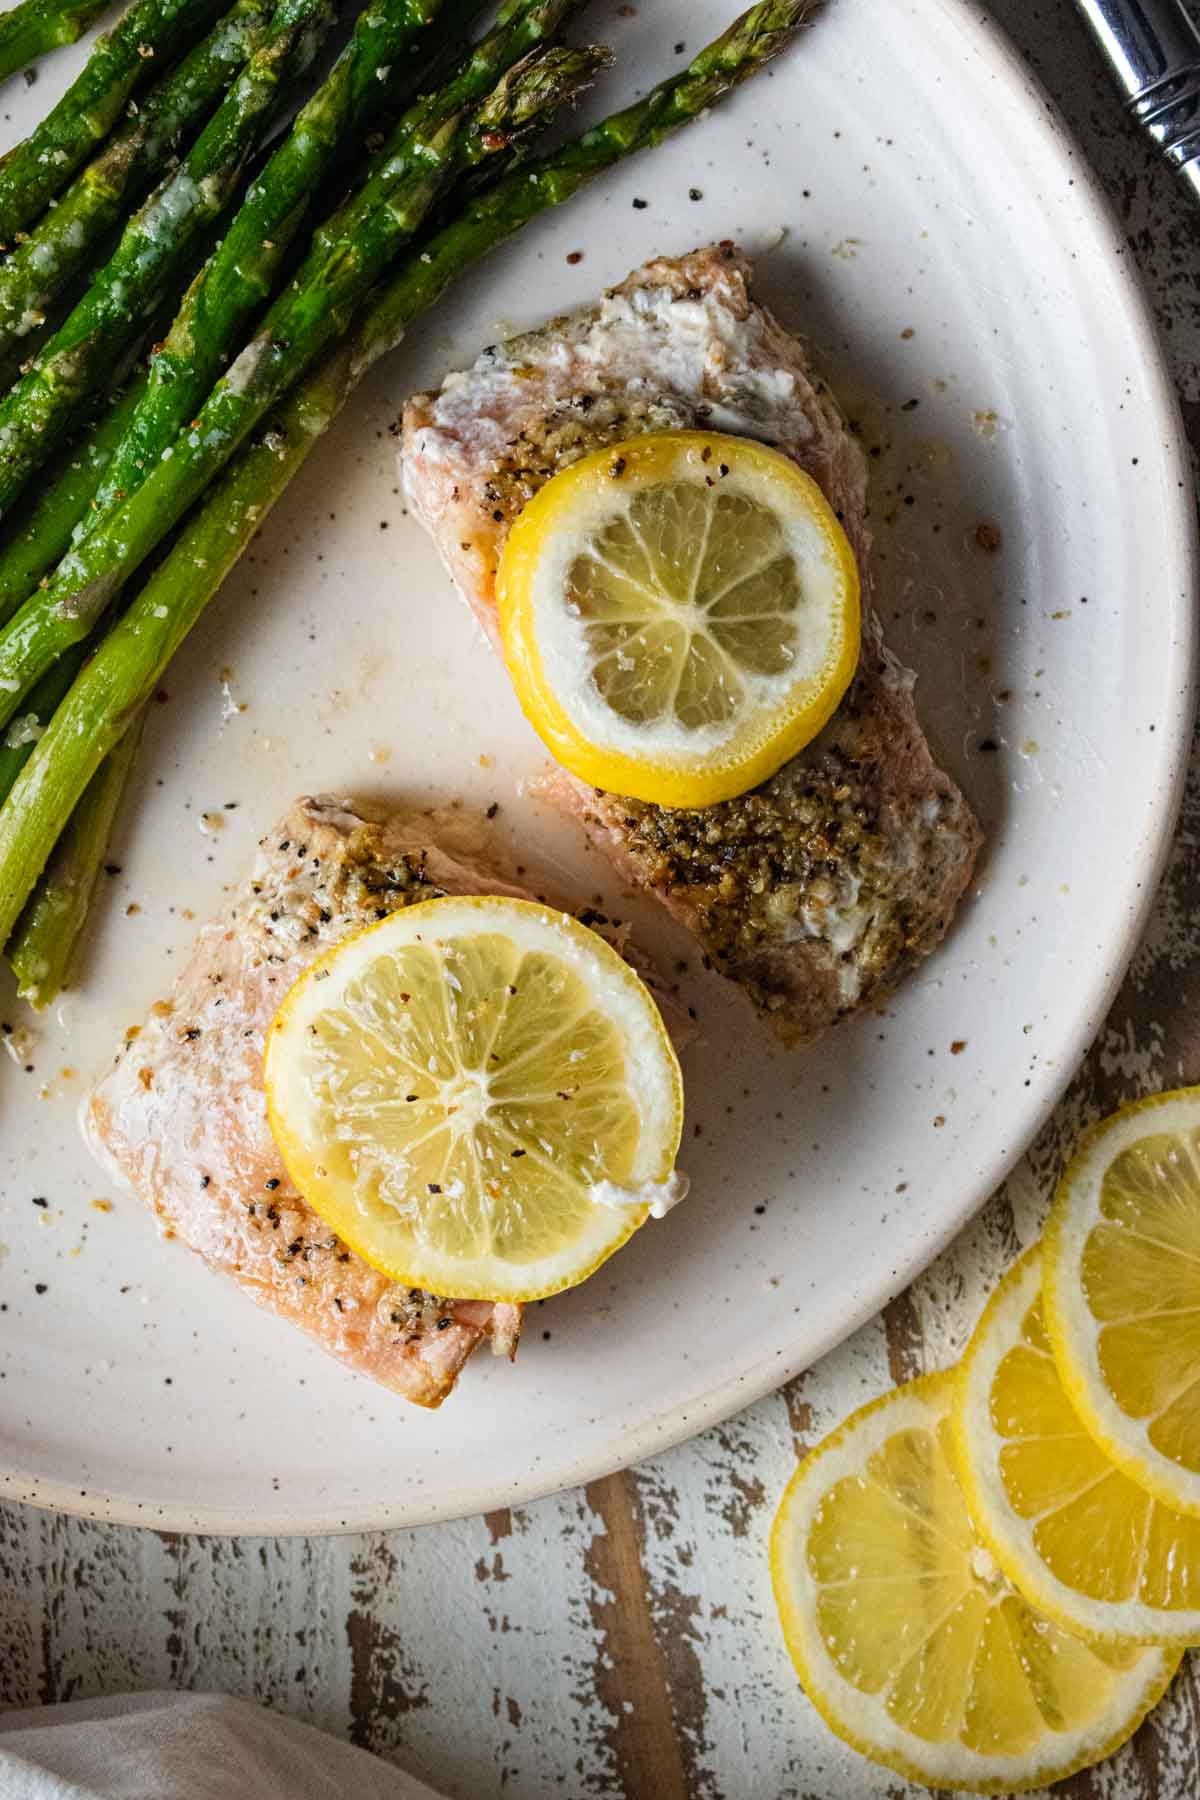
(987, 1577)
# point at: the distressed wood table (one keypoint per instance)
(620, 1640)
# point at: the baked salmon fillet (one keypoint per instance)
(818, 891)
(181, 1119)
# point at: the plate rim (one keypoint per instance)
(667, 1429)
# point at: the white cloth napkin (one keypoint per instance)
(184, 1747)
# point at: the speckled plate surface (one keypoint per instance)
(917, 212)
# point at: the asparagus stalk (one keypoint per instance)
(24, 352)
(119, 178)
(240, 274)
(16, 745)
(146, 37)
(45, 531)
(131, 659)
(156, 248)
(42, 951)
(339, 270)
(28, 31)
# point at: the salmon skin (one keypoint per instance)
(818, 891)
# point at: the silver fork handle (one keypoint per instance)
(1154, 48)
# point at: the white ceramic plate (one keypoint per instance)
(974, 305)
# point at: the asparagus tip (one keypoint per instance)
(545, 78)
(763, 30)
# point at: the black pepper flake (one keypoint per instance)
(492, 810)
(272, 1184)
(910, 406)
(112, 868)
(40, 1200)
(442, 1324)
(516, 1153)
(695, 194)
(433, 1187)
(205, 1180)
(640, 205)
(39, 1287)
(411, 1097)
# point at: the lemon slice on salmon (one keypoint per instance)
(1122, 1291)
(1082, 1541)
(680, 615)
(478, 1095)
(907, 1637)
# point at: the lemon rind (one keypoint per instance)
(1072, 1216)
(610, 1228)
(1105, 1623)
(680, 782)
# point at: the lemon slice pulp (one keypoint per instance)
(1085, 1543)
(460, 1089)
(906, 1635)
(680, 615)
(1122, 1291)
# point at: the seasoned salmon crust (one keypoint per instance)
(819, 890)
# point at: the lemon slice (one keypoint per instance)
(907, 1637)
(1082, 1541)
(680, 615)
(1122, 1291)
(478, 1095)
